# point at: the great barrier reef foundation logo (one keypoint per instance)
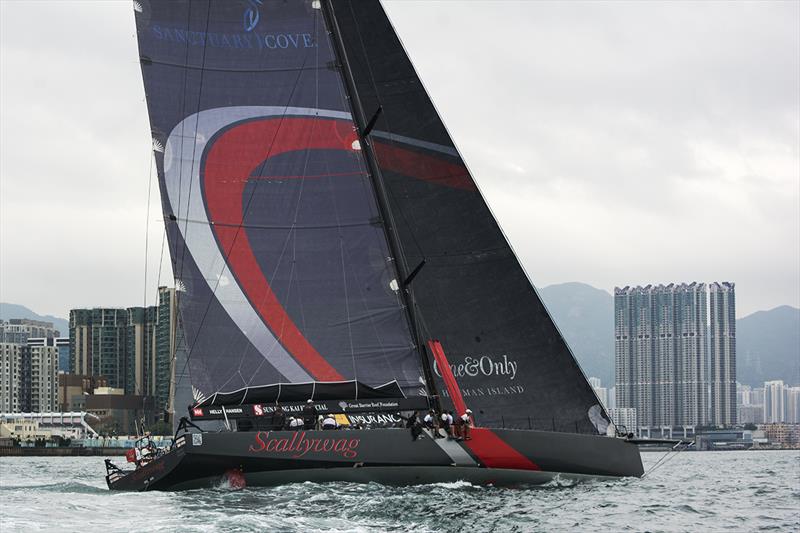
(251, 14)
(299, 445)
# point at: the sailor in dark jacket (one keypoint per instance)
(413, 423)
(310, 415)
(278, 419)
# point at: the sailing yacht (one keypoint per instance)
(329, 244)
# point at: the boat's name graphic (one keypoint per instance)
(485, 366)
(298, 445)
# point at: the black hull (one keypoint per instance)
(386, 456)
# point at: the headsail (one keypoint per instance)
(289, 261)
(278, 248)
(472, 294)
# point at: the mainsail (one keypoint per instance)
(278, 247)
(311, 194)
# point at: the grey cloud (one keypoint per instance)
(621, 142)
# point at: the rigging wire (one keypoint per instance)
(147, 228)
(388, 129)
(292, 229)
(414, 314)
(177, 274)
(194, 144)
(668, 456)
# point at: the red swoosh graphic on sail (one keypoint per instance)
(229, 164)
(425, 167)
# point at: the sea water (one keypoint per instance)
(695, 491)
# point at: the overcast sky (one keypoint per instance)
(617, 143)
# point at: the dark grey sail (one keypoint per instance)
(278, 247)
(468, 288)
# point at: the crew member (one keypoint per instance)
(458, 428)
(310, 414)
(278, 419)
(467, 423)
(329, 422)
(446, 424)
(432, 423)
(413, 423)
(295, 423)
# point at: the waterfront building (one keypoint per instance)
(151, 343)
(600, 391)
(793, 405)
(750, 414)
(602, 394)
(722, 368)
(660, 353)
(28, 376)
(74, 388)
(10, 362)
(29, 427)
(130, 348)
(612, 398)
(774, 404)
(165, 346)
(140, 350)
(118, 413)
(62, 347)
(757, 396)
(782, 435)
(18, 330)
(625, 419)
(743, 394)
(41, 358)
(98, 343)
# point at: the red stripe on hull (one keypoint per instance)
(494, 452)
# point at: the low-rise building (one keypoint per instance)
(28, 428)
(73, 389)
(782, 435)
(120, 413)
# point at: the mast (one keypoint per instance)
(364, 126)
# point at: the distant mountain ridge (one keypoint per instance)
(767, 342)
(768, 346)
(585, 316)
(9, 311)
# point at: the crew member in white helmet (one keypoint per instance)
(295, 423)
(467, 424)
(329, 422)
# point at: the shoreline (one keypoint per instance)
(10, 451)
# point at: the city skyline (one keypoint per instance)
(633, 151)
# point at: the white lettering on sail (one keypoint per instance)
(485, 365)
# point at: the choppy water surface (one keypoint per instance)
(697, 491)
